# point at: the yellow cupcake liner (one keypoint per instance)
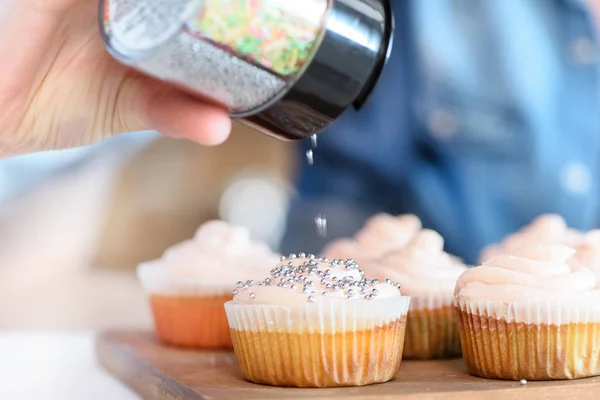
(308, 346)
(532, 346)
(431, 329)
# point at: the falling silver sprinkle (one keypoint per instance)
(523, 382)
(252, 295)
(309, 157)
(321, 223)
(313, 140)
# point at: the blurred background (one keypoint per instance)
(74, 224)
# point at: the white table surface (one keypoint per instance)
(53, 366)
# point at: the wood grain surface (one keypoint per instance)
(159, 372)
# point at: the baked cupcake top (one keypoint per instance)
(381, 233)
(217, 252)
(301, 279)
(422, 266)
(545, 229)
(534, 272)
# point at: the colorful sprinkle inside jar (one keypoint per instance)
(268, 33)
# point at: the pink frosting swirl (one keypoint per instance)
(422, 266)
(381, 234)
(536, 271)
(218, 254)
(588, 253)
(545, 229)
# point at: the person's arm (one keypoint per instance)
(59, 88)
(360, 163)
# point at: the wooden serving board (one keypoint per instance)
(159, 372)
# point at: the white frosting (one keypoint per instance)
(545, 229)
(209, 263)
(422, 266)
(308, 293)
(381, 234)
(536, 282)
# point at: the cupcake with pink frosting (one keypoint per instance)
(531, 314)
(545, 229)
(317, 323)
(381, 234)
(428, 276)
(191, 282)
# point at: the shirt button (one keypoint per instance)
(584, 51)
(443, 124)
(576, 178)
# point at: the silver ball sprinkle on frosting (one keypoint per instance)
(297, 272)
(252, 296)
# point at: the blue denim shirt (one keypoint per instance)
(487, 115)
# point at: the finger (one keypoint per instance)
(178, 115)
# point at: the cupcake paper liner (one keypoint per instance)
(533, 340)
(196, 322)
(326, 344)
(431, 329)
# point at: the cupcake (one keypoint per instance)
(312, 323)
(545, 229)
(190, 283)
(530, 315)
(381, 233)
(428, 276)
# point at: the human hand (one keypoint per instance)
(59, 88)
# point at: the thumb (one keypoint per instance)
(147, 104)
